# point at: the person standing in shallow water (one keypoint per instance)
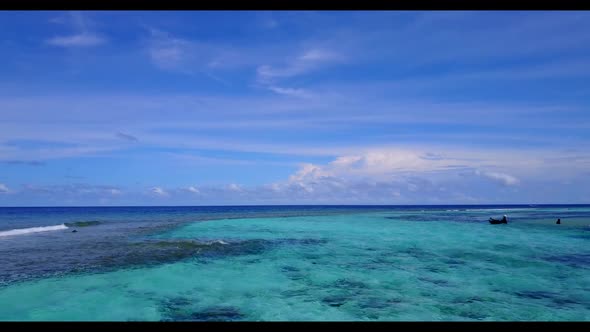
(504, 219)
(558, 221)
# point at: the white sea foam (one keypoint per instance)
(22, 231)
(218, 241)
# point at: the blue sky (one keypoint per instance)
(261, 107)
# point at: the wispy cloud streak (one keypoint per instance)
(83, 36)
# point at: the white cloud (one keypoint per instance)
(186, 56)
(310, 60)
(504, 179)
(398, 173)
(82, 37)
(115, 192)
(166, 51)
(3, 189)
(412, 187)
(234, 187)
(192, 190)
(319, 55)
(72, 190)
(81, 40)
(308, 172)
(291, 92)
(158, 191)
(382, 163)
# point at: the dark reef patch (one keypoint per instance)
(473, 315)
(505, 247)
(312, 257)
(347, 291)
(177, 302)
(473, 299)
(435, 269)
(337, 300)
(89, 253)
(536, 295)
(293, 273)
(452, 261)
(158, 252)
(110, 249)
(372, 303)
(176, 308)
(289, 268)
(183, 309)
(215, 314)
(247, 247)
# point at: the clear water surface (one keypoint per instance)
(293, 263)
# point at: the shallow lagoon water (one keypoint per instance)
(380, 263)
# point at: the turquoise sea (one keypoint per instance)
(295, 263)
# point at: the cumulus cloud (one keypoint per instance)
(373, 176)
(387, 163)
(501, 178)
(307, 172)
(377, 164)
(390, 176)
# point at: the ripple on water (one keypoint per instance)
(557, 299)
(349, 284)
(461, 312)
(575, 260)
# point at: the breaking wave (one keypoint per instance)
(22, 231)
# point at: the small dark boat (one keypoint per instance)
(496, 221)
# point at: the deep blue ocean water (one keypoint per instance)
(291, 263)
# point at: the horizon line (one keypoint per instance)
(294, 205)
